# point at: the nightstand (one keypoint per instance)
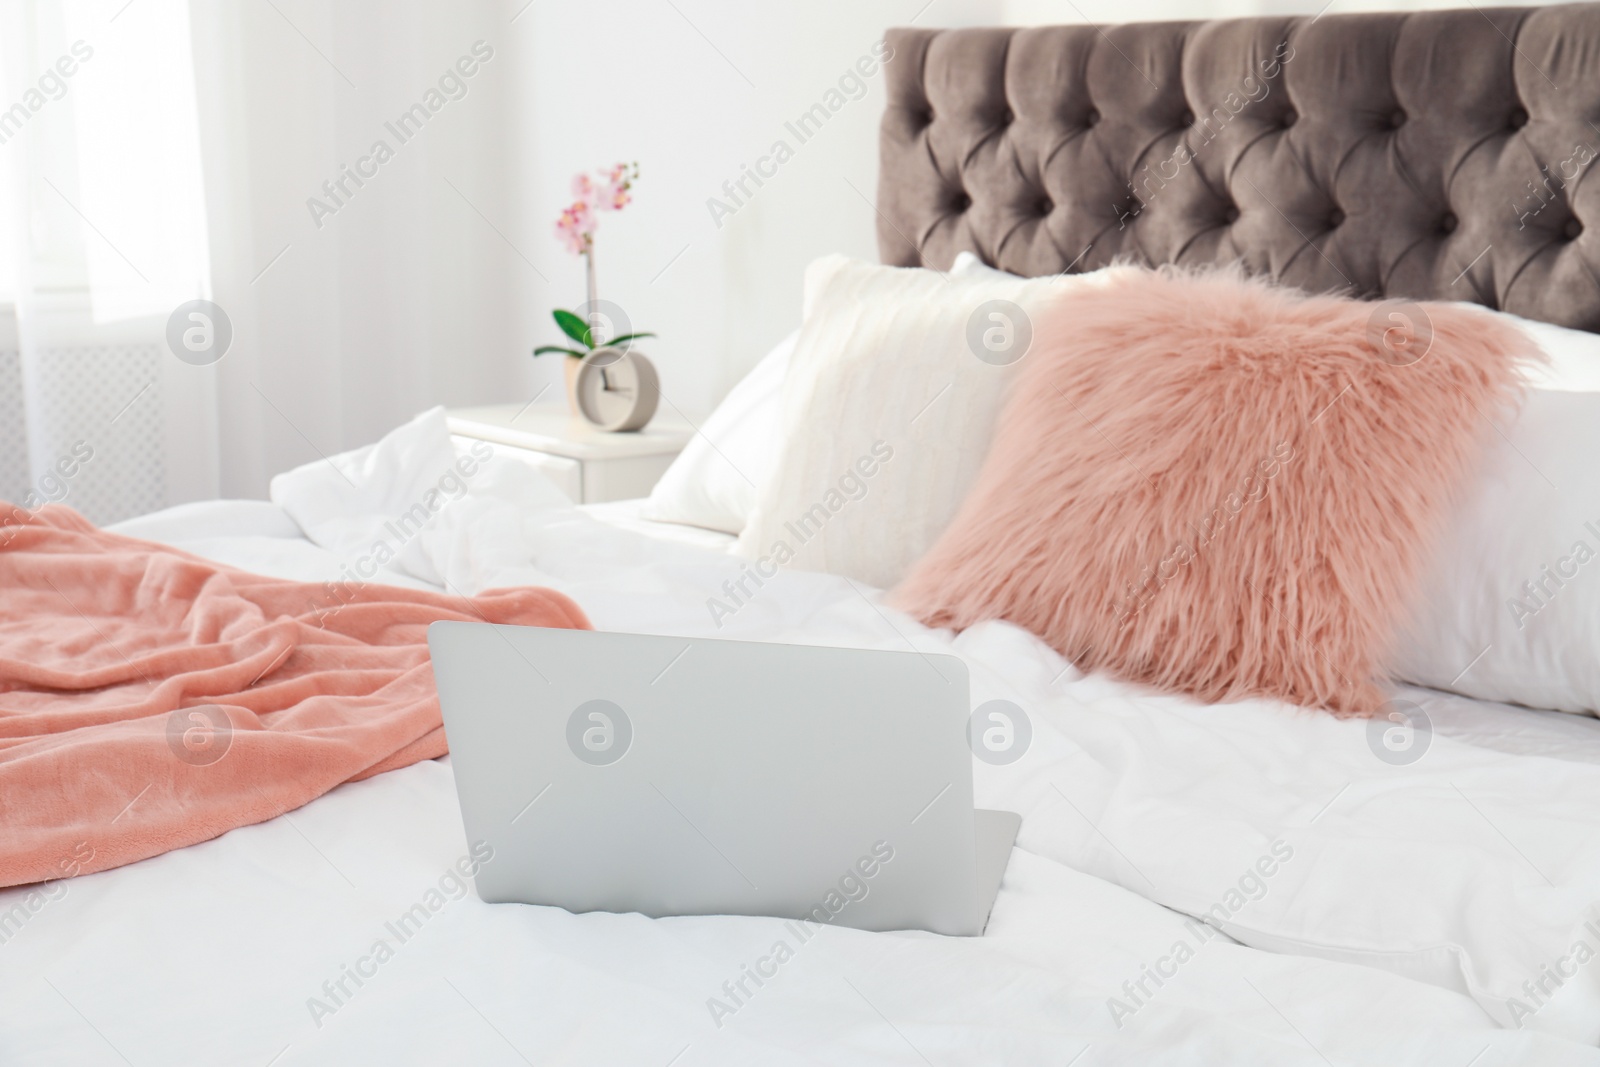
(591, 466)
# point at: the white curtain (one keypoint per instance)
(181, 160)
(102, 234)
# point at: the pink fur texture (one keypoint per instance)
(1217, 486)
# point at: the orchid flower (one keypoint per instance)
(607, 189)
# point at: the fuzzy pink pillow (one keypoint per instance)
(1223, 487)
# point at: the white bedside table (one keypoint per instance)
(591, 466)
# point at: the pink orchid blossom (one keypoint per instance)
(607, 189)
(587, 190)
(575, 228)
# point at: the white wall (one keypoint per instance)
(411, 296)
(675, 92)
(695, 90)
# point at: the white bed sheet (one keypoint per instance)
(218, 953)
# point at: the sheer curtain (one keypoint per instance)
(178, 161)
(103, 232)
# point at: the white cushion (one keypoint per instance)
(888, 413)
(1574, 357)
(714, 481)
(1511, 608)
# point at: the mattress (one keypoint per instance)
(299, 940)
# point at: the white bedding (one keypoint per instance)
(1414, 901)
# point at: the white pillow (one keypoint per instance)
(888, 412)
(1574, 356)
(714, 481)
(1510, 610)
(716, 487)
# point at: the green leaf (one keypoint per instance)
(573, 327)
(543, 349)
(615, 341)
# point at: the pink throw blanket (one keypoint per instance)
(150, 699)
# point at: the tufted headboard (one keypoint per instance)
(1440, 154)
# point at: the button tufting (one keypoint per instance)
(1342, 151)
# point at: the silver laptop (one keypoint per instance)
(690, 776)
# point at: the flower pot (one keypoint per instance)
(570, 365)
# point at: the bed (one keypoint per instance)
(1356, 911)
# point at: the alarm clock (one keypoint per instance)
(617, 389)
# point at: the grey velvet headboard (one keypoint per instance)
(1441, 155)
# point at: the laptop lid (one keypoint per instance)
(690, 776)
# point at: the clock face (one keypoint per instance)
(617, 389)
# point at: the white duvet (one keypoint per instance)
(1440, 911)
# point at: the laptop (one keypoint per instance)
(693, 776)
